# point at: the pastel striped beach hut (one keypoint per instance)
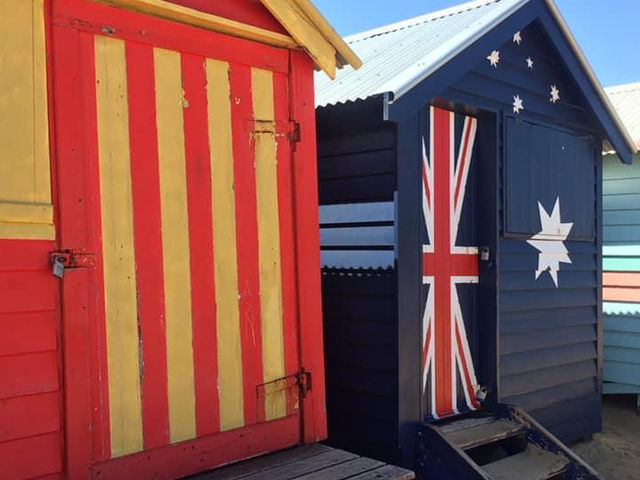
(621, 191)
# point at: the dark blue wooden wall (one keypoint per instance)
(356, 154)
(360, 327)
(356, 166)
(548, 353)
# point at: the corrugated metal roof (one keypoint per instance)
(399, 56)
(626, 100)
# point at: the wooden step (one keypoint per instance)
(474, 432)
(532, 464)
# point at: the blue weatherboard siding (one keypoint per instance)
(548, 336)
(621, 199)
(357, 168)
(548, 339)
(622, 350)
(621, 208)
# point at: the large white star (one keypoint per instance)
(550, 242)
(555, 94)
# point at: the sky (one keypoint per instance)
(608, 31)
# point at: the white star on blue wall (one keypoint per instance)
(550, 242)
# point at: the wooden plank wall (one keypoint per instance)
(356, 165)
(548, 341)
(30, 390)
(356, 154)
(621, 205)
(361, 364)
(621, 196)
(30, 380)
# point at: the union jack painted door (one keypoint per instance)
(180, 140)
(450, 265)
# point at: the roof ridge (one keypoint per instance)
(625, 87)
(412, 22)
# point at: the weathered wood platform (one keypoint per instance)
(312, 462)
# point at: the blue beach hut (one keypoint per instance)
(461, 230)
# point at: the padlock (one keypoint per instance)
(58, 267)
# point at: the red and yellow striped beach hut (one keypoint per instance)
(160, 308)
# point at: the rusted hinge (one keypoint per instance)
(63, 259)
(282, 130)
(304, 382)
(286, 130)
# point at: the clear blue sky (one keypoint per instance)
(608, 31)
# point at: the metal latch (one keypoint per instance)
(287, 131)
(64, 259)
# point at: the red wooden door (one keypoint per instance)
(177, 183)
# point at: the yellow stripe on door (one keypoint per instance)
(175, 244)
(269, 239)
(224, 239)
(118, 247)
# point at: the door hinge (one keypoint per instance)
(64, 259)
(304, 382)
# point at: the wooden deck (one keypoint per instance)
(312, 462)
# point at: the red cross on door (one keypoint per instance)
(446, 350)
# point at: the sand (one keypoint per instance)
(615, 453)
